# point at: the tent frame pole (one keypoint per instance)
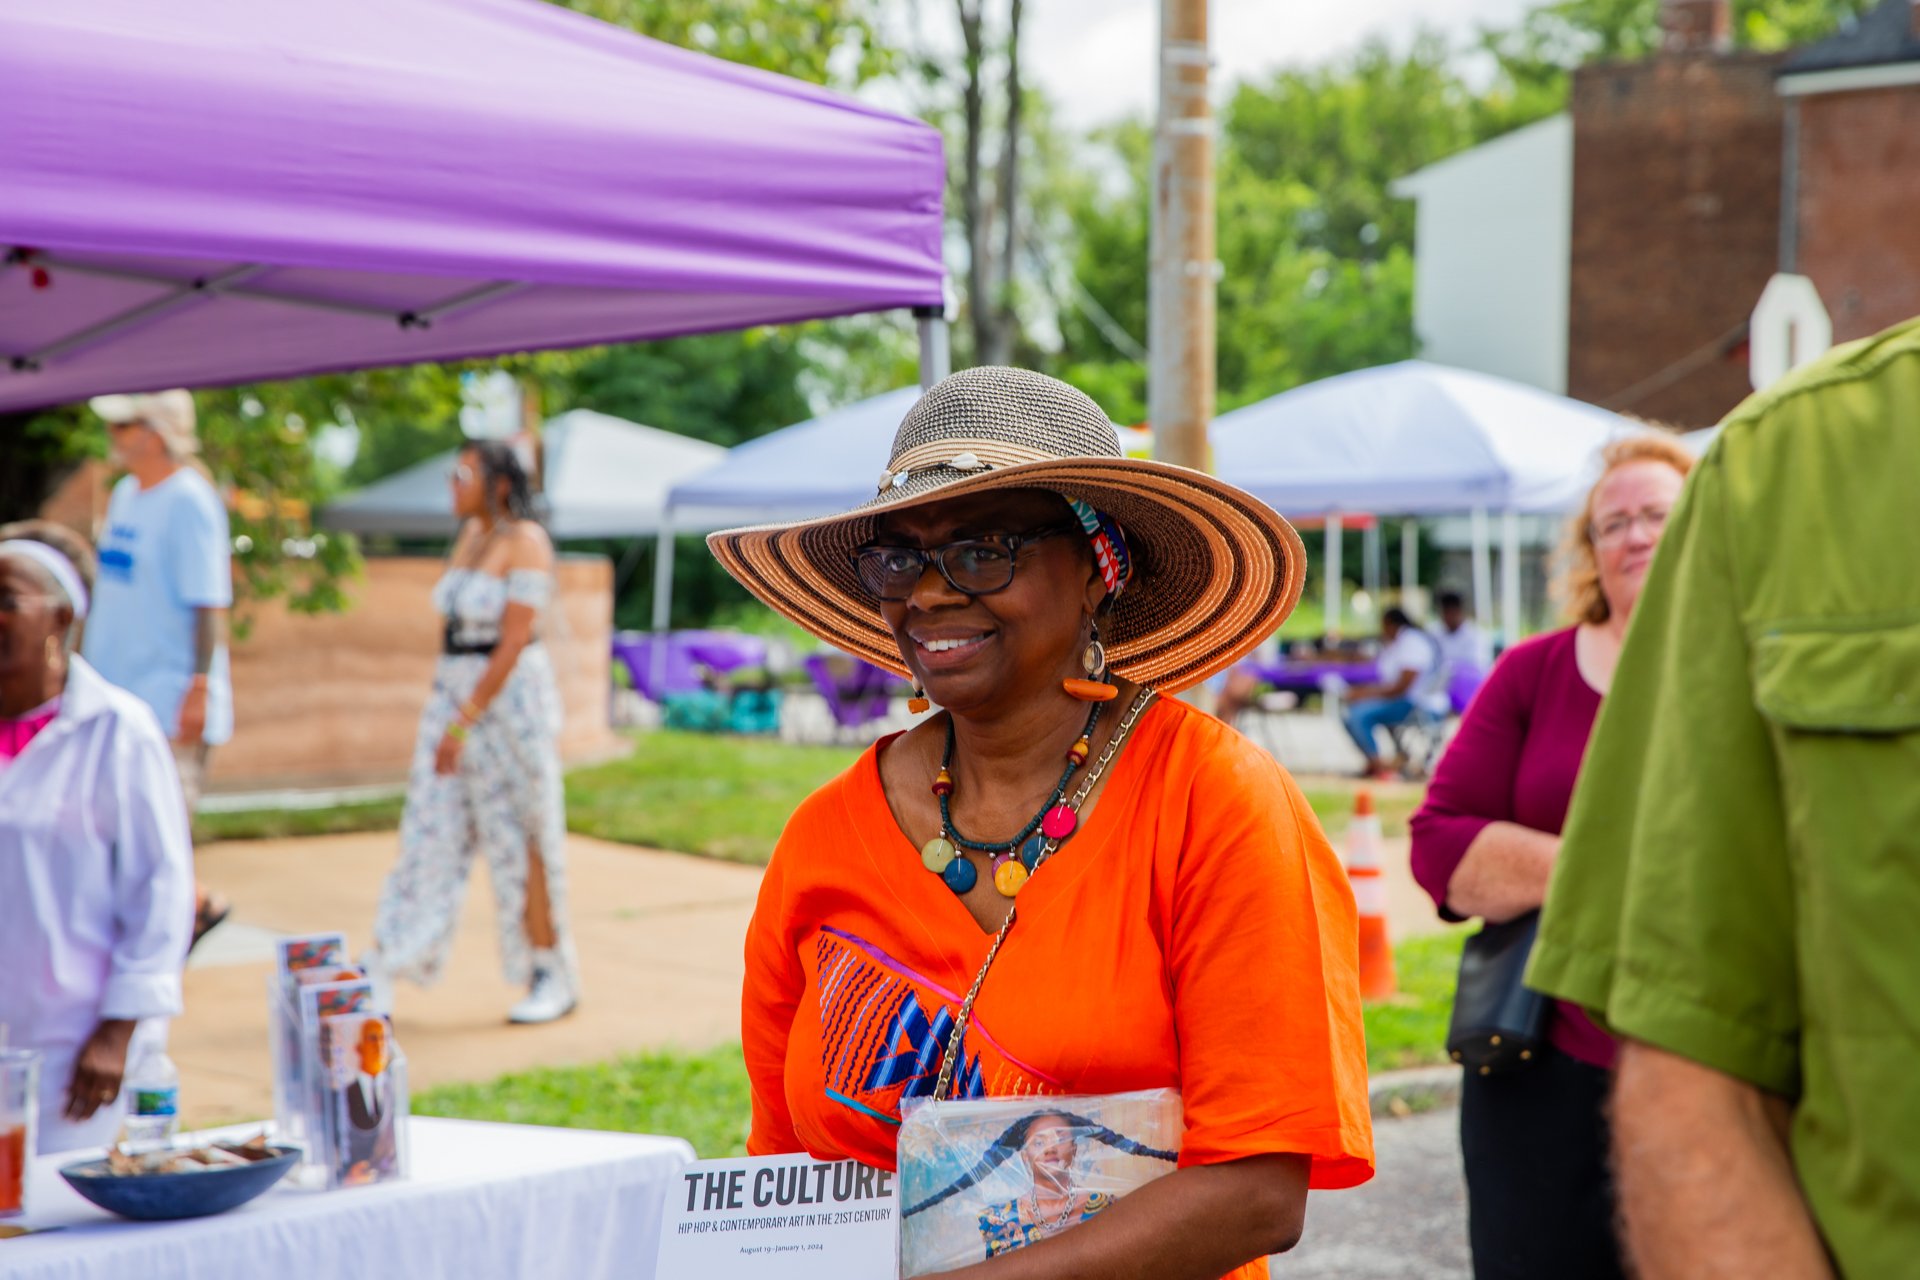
(1331, 623)
(936, 353)
(1409, 560)
(1482, 569)
(662, 596)
(1510, 624)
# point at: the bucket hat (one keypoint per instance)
(1215, 570)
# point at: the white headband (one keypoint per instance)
(50, 559)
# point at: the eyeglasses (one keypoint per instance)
(461, 473)
(1614, 528)
(972, 566)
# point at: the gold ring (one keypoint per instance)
(107, 1095)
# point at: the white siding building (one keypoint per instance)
(1492, 248)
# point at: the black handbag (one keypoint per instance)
(1498, 1024)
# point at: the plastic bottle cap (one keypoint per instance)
(1362, 803)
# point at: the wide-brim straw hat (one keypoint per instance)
(1215, 570)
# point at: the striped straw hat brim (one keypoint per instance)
(1215, 570)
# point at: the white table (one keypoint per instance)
(484, 1201)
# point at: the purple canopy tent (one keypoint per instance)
(212, 191)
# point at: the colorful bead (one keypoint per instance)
(936, 853)
(943, 784)
(1008, 877)
(1059, 822)
(1077, 754)
(1030, 851)
(960, 875)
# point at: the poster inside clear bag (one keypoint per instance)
(985, 1177)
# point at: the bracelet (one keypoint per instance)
(457, 731)
(469, 712)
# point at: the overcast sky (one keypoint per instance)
(1096, 57)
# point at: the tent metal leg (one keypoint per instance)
(1482, 569)
(1332, 570)
(1373, 566)
(1510, 624)
(1409, 559)
(662, 596)
(936, 356)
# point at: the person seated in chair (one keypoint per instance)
(1413, 679)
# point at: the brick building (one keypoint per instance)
(1853, 145)
(1691, 177)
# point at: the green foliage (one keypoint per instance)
(823, 41)
(702, 1097)
(1331, 140)
(1316, 252)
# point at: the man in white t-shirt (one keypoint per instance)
(1413, 678)
(1464, 647)
(158, 625)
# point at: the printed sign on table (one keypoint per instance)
(788, 1216)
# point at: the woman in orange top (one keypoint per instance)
(1186, 926)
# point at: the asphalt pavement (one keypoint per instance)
(1409, 1221)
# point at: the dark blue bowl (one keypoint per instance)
(154, 1197)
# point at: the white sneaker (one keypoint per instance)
(549, 999)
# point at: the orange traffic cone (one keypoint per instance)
(1377, 980)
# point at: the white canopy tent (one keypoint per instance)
(604, 478)
(1415, 438)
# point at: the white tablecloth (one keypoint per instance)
(485, 1201)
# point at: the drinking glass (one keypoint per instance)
(19, 1117)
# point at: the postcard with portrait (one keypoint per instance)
(988, 1176)
(363, 1100)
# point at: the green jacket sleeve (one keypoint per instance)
(1670, 914)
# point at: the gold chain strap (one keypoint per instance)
(1087, 785)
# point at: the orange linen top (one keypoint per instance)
(1196, 934)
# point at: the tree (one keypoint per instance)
(1316, 251)
(1535, 56)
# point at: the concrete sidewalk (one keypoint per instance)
(659, 937)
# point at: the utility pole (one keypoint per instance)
(1184, 271)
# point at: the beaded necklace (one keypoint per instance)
(1055, 820)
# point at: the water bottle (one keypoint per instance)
(153, 1100)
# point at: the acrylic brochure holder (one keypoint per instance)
(340, 1087)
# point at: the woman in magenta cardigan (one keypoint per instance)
(1540, 1200)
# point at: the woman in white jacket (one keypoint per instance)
(96, 865)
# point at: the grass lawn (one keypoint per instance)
(700, 1097)
(703, 1097)
(724, 797)
(711, 794)
(270, 824)
(1409, 1029)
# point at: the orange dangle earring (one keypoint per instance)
(1093, 659)
(918, 702)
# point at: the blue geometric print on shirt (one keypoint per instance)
(877, 1044)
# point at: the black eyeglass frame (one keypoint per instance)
(936, 556)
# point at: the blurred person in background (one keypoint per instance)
(159, 622)
(1750, 929)
(1413, 678)
(96, 889)
(486, 765)
(1539, 1198)
(1464, 647)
